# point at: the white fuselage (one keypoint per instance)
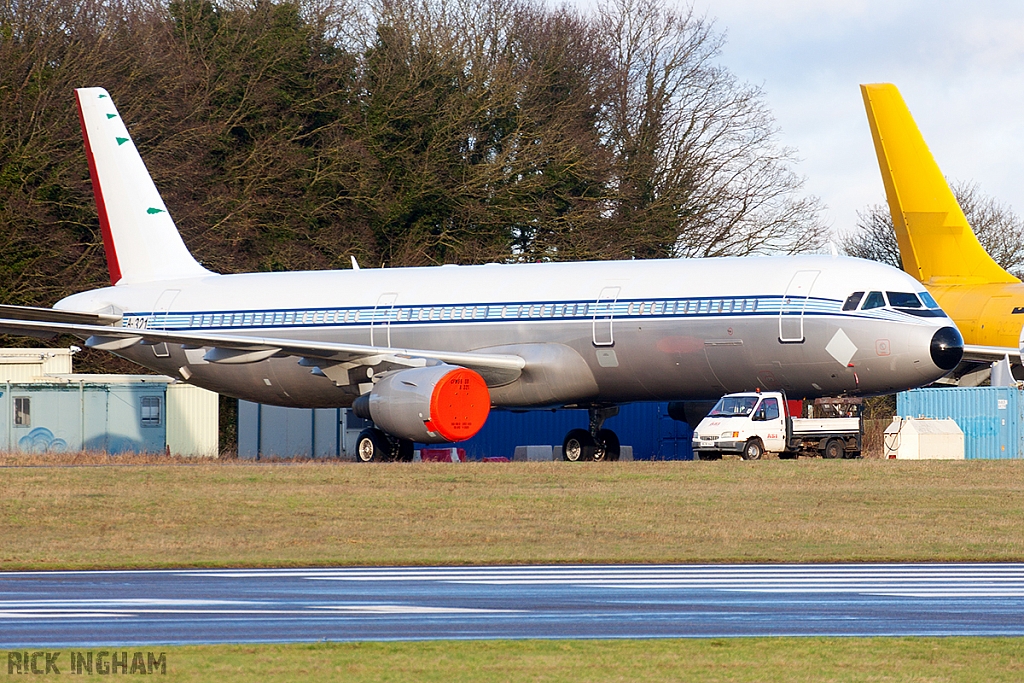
(592, 333)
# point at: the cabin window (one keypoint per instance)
(903, 300)
(851, 301)
(873, 300)
(22, 412)
(150, 413)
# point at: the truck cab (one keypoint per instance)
(747, 424)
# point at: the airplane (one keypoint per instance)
(937, 245)
(426, 352)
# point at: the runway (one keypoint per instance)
(107, 608)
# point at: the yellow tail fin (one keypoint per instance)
(936, 242)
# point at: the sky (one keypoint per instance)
(959, 66)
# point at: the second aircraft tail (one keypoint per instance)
(937, 245)
(141, 241)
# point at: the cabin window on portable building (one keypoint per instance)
(150, 413)
(22, 411)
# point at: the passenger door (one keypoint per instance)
(380, 324)
(604, 315)
(791, 312)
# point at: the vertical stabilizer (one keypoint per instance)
(937, 244)
(141, 241)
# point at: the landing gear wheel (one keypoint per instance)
(578, 446)
(608, 447)
(833, 449)
(373, 445)
(405, 450)
(753, 450)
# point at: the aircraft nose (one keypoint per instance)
(947, 348)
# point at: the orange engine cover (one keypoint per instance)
(435, 404)
(459, 405)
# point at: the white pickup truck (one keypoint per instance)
(754, 423)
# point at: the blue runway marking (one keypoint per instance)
(107, 608)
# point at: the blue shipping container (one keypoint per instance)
(990, 417)
(646, 427)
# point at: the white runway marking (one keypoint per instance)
(550, 601)
(919, 581)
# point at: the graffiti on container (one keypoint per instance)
(42, 440)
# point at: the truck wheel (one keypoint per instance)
(833, 449)
(753, 450)
(706, 455)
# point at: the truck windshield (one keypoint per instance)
(733, 406)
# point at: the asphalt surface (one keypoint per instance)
(107, 608)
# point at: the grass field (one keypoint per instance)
(232, 514)
(795, 660)
(141, 514)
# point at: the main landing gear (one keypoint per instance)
(595, 444)
(373, 445)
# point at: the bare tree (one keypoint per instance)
(998, 228)
(699, 171)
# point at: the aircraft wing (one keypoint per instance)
(990, 354)
(330, 358)
(31, 313)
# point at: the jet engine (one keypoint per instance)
(436, 404)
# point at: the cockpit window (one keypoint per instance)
(928, 300)
(852, 301)
(873, 300)
(903, 300)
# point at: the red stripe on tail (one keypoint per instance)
(101, 207)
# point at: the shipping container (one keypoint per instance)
(27, 365)
(93, 415)
(990, 417)
(271, 431)
(276, 432)
(193, 421)
(110, 413)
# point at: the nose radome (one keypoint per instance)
(947, 348)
